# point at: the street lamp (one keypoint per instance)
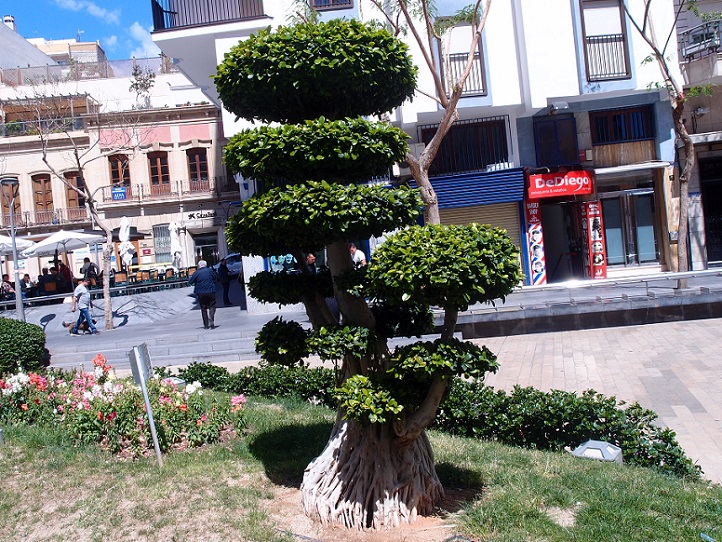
(12, 183)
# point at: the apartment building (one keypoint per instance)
(559, 139)
(155, 159)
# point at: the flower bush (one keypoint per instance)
(99, 408)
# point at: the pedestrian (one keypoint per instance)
(311, 262)
(82, 302)
(204, 286)
(67, 280)
(89, 270)
(224, 276)
(358, 257)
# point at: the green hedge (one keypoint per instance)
(525, 417)
(22, 345)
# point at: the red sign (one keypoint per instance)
(551, 185)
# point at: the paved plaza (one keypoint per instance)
(672, 368)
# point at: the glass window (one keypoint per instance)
(197, 164)
(605, 40)
(622, 125)
(555, 141)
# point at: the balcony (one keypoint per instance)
(607, 57)
(175, 14)
(702, 40)
(474, 84)
(182, 189)
(30, 219)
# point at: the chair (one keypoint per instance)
(121, 277)
(145, 275)
(169, 273)
(51, 287)
(192, 270)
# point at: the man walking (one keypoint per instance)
(204, 286)
(82, 302)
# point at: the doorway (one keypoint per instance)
(206, 248)
(710, 173)
(629, 226)
(562, 242)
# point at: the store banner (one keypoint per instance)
(595, 260)
(535, 243)
(552, 185)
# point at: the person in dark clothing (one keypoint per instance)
(204, 286)
(67, 279)
(311, 262)
(224, 277)
(43, 280)
(89, 270)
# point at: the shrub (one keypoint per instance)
(22, 346)
(282, 343)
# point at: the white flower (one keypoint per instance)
(194, 387)
(88, 395)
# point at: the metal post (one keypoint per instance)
(13, 183)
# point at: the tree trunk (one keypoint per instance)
(366, 479)
(689, 159)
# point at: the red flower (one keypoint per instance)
(24, 406)
(100, 416)
(183, 407)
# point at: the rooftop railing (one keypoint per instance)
(174, 14)
(702, 40)
(173, 189)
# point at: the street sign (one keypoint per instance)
(118, 193)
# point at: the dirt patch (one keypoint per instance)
(564, 517)
(287, 512)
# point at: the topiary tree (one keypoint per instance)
(377, 469)
(22, 346)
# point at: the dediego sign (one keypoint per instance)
(550, 185)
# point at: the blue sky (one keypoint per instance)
(122, 27)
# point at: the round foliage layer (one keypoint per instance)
(310, 216)
(348, 150)
(301, 72)
(22, 346)
(282, 342)
(289, 288)
(447, 266)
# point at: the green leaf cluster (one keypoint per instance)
(22, 345)
(447, 266)
(346, 150)
(363, 400)
(282, 342)
(289, 288)
(333, 343)
(335, 69)
(310, 216)
(446, 357)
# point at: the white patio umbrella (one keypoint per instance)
(6, 244)
(126, 248)
(176, 249)
(65, 240)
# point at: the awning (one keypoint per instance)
(619, 171)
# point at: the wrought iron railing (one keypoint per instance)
(331, 4)
(181, 188)
(29, 219)
(607, 57)
(171, 14)
(474, 84)
(702, 40)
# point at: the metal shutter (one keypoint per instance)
(500, 215)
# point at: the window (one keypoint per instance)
(198, 169)
(7, 197)
(323, 5)
(622, 125)
(555, 141)
(159, 173)
(454, 63)
(76, 202)
(605, 40)
(474, 145)
(43, 199)
(120, 172)
(161, 243)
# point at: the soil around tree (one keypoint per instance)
(286, 511)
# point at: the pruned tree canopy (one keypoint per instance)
(333, 70)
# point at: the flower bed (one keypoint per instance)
(99, 408)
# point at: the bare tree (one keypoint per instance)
(61, 138)
(660, 51)
(421, 23)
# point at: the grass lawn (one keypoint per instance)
(52, 491)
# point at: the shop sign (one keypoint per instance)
(551, 185)
(118, 193)
(201, 214)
